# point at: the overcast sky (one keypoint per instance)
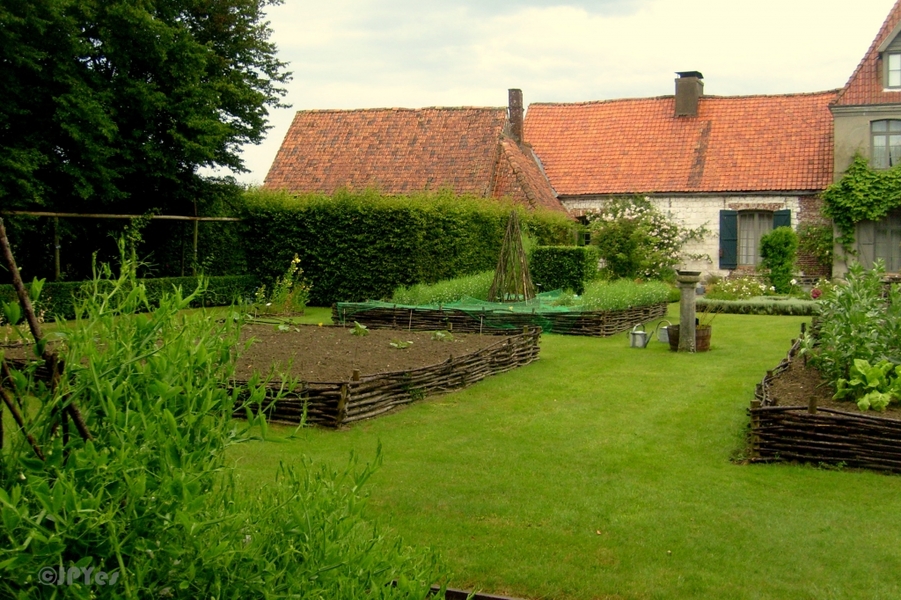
(416, 53)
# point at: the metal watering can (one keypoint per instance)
(663, 332)
(639, 338)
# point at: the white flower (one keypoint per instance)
(772, 288)
(794, 282)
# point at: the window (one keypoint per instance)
(893, 71)
(740, 234)
(881, 240)
(886, 142)
(751, 227)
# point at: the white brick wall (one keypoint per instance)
(695, 211)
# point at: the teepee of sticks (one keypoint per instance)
(512, 282)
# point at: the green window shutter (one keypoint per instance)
(728, 239)
(782, 218)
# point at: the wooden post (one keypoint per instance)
(342, 405)
(812, 405)
(356, 375)
(55, 248)
(194, 266)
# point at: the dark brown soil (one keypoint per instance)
(799, 383)
(332, 353)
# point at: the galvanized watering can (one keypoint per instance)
(663, 332)
(639, 339)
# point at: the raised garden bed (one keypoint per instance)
(818, 429)
(373, 377)
(600, 323)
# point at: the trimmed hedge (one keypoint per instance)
(563, 267)
(761, 305)
(356, 246)
(58, 297)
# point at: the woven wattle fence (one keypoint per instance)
(599, 323)
(820, 435)
(339, 403)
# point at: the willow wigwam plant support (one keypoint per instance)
(69, 410)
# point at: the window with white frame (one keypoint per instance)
(893, 70)
(885, 136)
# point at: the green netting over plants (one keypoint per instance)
(553, 311)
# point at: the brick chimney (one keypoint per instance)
(689, 89)
(515, 114)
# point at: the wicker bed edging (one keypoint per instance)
(333, 404)
(820, 435)
(598, 323)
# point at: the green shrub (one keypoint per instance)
(59, 298)
(622, 294)
(635, 239)
(760, 306)
(445, 292)
(151, 499)
(359, 246)
(563, 267)
(778, 250)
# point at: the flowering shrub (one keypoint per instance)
(740, 288)
(636, 239)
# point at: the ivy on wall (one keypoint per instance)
(862, 194)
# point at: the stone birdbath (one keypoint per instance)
(687, 280)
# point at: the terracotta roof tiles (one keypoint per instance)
(865, 87)
(735, 144)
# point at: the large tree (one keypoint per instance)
(115, 105)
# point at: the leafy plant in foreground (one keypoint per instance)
(857, 321)
(151, 497)
(871, 386)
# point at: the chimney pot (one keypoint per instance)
(689, 89)
(515, 114)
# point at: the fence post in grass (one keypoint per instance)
(812, 405)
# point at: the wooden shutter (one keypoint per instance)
(728, 239)
(782, 218)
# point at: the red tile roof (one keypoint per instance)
(735, 144)
(865, 87)
(399, 151)
(520, 178)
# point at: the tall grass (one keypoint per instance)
(599, 295)
(623, 293)
(444, 292)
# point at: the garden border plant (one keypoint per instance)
(145, 492)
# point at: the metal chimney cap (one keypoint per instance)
(697, 74)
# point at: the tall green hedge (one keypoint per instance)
(563, 267)
(360, 246)
(58, 298)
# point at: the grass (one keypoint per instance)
(603, 471)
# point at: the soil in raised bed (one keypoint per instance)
(331, 354)
(799, 383)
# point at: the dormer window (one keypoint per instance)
(893, 70)
(886, 143)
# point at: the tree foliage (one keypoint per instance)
(778, 250)
(117, 104)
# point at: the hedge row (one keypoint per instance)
(563, 267)
(760, 305)
(360, 246)
(58, 298)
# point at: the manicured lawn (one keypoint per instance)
(603, 471)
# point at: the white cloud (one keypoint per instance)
(375, 53)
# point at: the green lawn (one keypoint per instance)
(603, 471)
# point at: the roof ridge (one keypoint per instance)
(704, 97)
(398, 109)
